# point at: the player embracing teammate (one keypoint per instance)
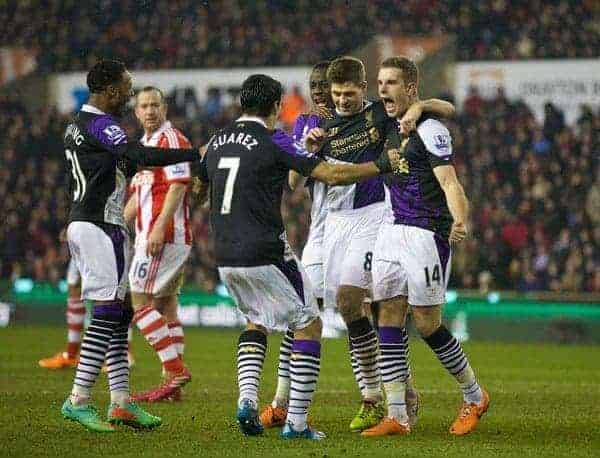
(411, 260)
(267, 282)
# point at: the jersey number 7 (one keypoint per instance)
(233, 165)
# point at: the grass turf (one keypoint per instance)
(544, 402)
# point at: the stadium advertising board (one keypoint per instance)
(69, 90)
(567, 83)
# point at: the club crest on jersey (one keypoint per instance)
(115, 134)
(369, 118)
(374, 134)
(442, 141)
(332, 131)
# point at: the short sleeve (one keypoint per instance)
(437, 140)
(300, 128)
(178, 173)
(109, 133)
(181, 172)
(291, 155)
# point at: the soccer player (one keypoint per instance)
(411, 261)
(356, 134)
(275, 413)
(247, 171)
(162, 245)
(99, 156)
(75, 317)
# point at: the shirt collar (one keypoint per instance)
(91, 109)
(158, 132)
(366, 104)
(252, 119)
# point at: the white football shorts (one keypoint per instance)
(350, 237)
(312, 260)
(102, 257)
(413, 262)
(276, 296)
(160, 275)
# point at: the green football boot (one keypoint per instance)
(370, 414)
(87, 415)
(132, 415)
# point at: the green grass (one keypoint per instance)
(544, 402)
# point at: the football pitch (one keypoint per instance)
(545, 401)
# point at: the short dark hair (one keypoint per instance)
(153, 88)
(104, 73)
(346, 69)
(259, 94)
(410, 72)
(323, 65)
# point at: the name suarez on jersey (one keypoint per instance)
(241, 138)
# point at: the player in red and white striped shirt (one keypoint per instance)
(159, 204)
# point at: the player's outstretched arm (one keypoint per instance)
(458, 203)
(438, 107)
(344, 174)
(157, 157)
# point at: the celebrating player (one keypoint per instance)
(275, 413)
(162, 245)
(356, 134)
(247, 172)
(411, 261)
(98, 153)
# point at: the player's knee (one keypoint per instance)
(349, 301)
(427, 320)
(140, 300)
(392, 313)
(256, 327)
(311, 332)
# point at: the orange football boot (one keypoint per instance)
(61, 360)
(387, 427)
(273, 416)
(469, 415)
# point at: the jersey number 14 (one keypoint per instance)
(78, 176)
(232, 164)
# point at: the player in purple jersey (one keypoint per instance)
(275, 413)
(101, 158)
(355, 134)
(411, 261)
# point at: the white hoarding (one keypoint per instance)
(69, 90)
(566, 83)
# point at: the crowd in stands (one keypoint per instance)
(534, 190)
(69, 35)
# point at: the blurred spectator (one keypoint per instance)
(292, 105)
(534, 192)
(165, 34)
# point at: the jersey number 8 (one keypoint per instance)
(78, 176)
